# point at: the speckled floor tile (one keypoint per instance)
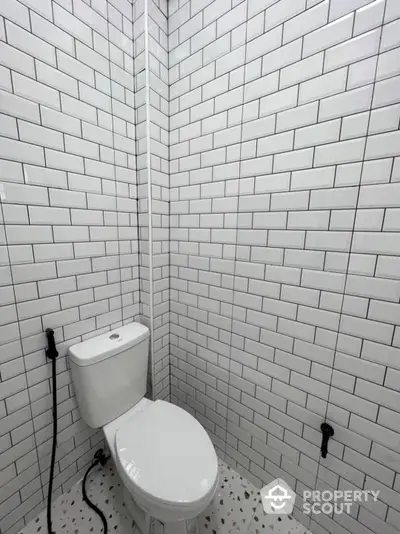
(235, 509)
(72, 516)
(262, 523)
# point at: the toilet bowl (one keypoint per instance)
(167, 463)
(163, 455)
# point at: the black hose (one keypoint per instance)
(53, 452)
(102, 459)
(99, 457)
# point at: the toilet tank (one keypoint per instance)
(110, 372)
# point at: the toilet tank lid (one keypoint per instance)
(101, 347)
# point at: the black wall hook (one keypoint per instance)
(327, 432)
(51, 351)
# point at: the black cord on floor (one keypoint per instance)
(99, 458)
(53, 452)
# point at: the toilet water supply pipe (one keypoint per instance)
(99, 457)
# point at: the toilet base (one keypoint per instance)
(150, 525)
(182, 527)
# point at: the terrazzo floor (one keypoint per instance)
(236, 509)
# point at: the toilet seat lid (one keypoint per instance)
(167, 455)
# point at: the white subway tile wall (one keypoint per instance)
(69, 228)
(262, 231)
(284, 237)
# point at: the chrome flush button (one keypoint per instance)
(114, 336)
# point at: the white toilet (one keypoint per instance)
(163, 455)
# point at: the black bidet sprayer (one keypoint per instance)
(99, 457)
(327, 433)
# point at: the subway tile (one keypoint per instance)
(295, 160)
(362, 72)
(327, 132)
(274, 144)
(261, 86)
(390, 38)
(367, 329)
(346, 103)
(56, 120)
(17, 60)
(297, 117)
(386, 92)
(74, 68)
(341, 152)
(281, 11)
(302, 70)
(338, 9)
(264, 43)
(36, 91)
(72, 25)
(353, 50)
(16, 12)
(328, 35)
(5, 79)
(387, 65)
(283, 56)
(255, 6)
(22, 152)
(56, 79)
(323, 86)
(278, 101)
(9, 127)
(52, 34)
(30, 133)
(62, 161)
(306, 22)
(28, 43)
(25, 194)
(44, 8)
(19, 107)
